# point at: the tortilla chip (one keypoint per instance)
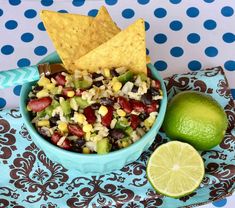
(127, 48)
(67, 32)
(102, 29)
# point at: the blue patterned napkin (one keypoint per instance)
(30, 179)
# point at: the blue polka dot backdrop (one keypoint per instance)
(181, 36)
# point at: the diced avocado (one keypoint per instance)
(129, 130)
(122, 124)
(143, 77)
(103, 146)
(82, 84)
(65, 105)
(124, 142)
(81, 102)
(127, 76)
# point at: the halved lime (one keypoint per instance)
(175, 169)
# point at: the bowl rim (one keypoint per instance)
(157, 123)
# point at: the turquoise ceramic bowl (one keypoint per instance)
(92, 163)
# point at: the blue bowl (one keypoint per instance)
(92, 163)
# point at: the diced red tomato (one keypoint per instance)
(137, 105)
(135, 121)
(106, 120)
(90, 115)
(125, 104)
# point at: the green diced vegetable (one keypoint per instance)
(143, 77)
(125, 142)
(41, 114)
(81, 102)
(129, 130)
(49, 110)
(103, 146)
(82, 84)
(65, 105)
(127, 76)
(122, 124)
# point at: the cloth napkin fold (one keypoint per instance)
(30, 179)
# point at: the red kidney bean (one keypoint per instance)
(75, 130)
(60, 79)
(39, 104)
(55, 137)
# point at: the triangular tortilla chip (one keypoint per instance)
(127, 48)
(102, 29)
(67, 32)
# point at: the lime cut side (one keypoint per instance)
(175, 169)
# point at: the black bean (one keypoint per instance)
(78, 142)
(116, 134)
(98, 83)
(143, 116)
(37, 88)
(134, 89)
(96, 75)
(57, 96)
(114, 73)
(146, 98)
(95, 106)
(53, 121)
(153, 91)
(106, 101)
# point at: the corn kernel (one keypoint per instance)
(28, 108)
(78, 117)
(43, 123)
(63, 127)
(70, 93)
(42, 93)
(148, 122)
(125, 144)
(50, 86)
(87, 128)
(88, 136)
(114, 79)
(121, 112)
(117, 86)
(103, 110)
(43, 81)
(106, 72)
(85, 150)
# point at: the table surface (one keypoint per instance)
(181, 36)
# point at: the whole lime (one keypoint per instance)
(195, 118)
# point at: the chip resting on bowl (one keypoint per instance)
(127, 48)
(67, 32)
(102, 29)
(72, 34)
